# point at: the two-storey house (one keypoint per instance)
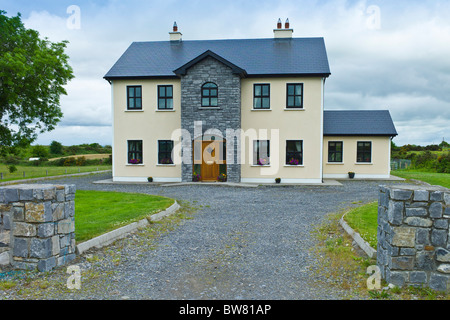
(250, 110)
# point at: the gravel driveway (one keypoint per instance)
(241, 243)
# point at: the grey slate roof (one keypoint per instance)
(258, 57)
(358, 123)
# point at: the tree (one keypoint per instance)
(33, 72)
(39, 151)
(56, 147)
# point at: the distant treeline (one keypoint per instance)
(434, 158)
(21, 154)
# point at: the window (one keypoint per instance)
(335, 151)
(294, 95)
(210, 94)
(294, 152)
(135, 151)
(165, 148)
(134, 98)
(261, 152)
(165, 97)
(261, 96)
(364, 151)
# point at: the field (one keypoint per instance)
(87, 156)
(28, 172)
(441, 179)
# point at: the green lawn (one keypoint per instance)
(39, 172)
(441, 179)
(364, 221)
(98, 212)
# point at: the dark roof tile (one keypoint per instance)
(358, 123)
(296, 56)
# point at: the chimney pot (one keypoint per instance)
(279, 24)
(279, 32)
(175, 35)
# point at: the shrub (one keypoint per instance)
(69, 162)
(80, 161)
(12, 168)
(11, 159)
(443, 163)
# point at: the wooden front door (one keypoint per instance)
(210, 160)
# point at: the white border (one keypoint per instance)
(287, 181)
(144, 179)
(113, 131)
(357, 176)
(321, 128)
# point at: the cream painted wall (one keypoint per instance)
(378, 168)
(303, 125)
(149, 125)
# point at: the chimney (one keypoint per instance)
(283, 33)
(175, 35)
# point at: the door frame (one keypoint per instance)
(217, 161)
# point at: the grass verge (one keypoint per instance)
(363, 220)
(440, 179)
(98, 212)
(345, 266)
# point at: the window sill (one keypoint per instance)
(294, 109)
(209, 108)
(261, 109)
(291, 165)
(165, 110)
(135, 165)
(165, 165)
(137, 110)
(364, 163)
(335, 163)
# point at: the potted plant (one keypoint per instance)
(166, 161)
(277, 180)
(222, 177)
(196, 177)
(351, 175)
(262, 162)
(150, 179)
(293, 162)
(135, 161)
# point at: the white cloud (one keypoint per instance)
(403, 65)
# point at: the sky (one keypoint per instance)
(383, 55)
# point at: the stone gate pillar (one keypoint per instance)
(41, 226)
(413, 236)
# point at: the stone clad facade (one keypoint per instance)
(40, 222)
(226, 116)
(414, 236)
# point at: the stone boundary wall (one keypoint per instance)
(413, 236)
(39, 221)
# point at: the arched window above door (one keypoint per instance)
(210, 95)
